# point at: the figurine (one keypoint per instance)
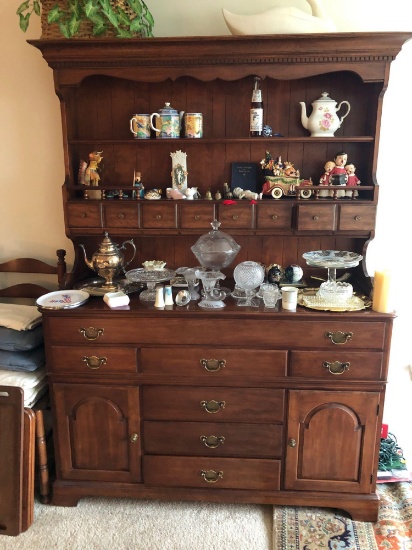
(218, 195)
(353, 180)
(325, 179)
(190, 193)
(275, 273)
(175, 194)
(282, 178)
(138, 192)
(208, 195)
(338, 175)
(227, 193)
(88, 173)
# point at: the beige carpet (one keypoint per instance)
(125, 524)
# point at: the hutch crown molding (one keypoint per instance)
(241, 404)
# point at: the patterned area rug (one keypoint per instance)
(325, 529)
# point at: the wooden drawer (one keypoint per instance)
(214, 363)
(86, 360)
(272, 215)
(197, 216)
(316, 217)
(84, 214)
(213, 439)
(236, 216)
(229, 404)
(342, 365)
(354, 217)
(292, 334)
(121, 214)
(223, 473)
(159, 215)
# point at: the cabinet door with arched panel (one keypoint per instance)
(331, 440)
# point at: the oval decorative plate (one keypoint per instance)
(63, 299)
(308, 298)
(332, 258)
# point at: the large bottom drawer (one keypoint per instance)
(213, 473)
(213, 439)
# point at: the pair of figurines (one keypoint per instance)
(339, 172)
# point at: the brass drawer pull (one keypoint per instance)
(158, 217)
(91, 333)
(213, 365)
(196, 218)
(274, 217)
(339, 337)
(210, 476)
(235, 217)
(292, 443)
(358, 218)
(83, 215)
(121, 216)
(94, 362)
(213, 406)
(211, 441)
(336, 367)
(134, 438)
(315, 218)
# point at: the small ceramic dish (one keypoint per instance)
(153, 265)
(182, 298)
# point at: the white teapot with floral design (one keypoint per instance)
(324, 121)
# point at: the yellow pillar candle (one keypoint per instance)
(381, 291)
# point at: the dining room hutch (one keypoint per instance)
(238, 404)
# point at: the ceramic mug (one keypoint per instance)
(289, 298)
(140, 126)
(193, 125)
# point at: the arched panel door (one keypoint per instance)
(98, 432)
(331, 440)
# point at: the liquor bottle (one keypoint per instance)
(256, 110)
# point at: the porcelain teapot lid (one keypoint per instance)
(324, 98)
(168, 110)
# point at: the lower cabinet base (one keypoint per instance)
(361, 507)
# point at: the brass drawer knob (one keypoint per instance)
(210, 476)
(211, 441)
(196, 217)
(134, 438)
(274, 217)
(292, 443)
(94, 362)
(339, 337)
(315, 218)
(358, 218)
(213, 406)
(91, 333)
(213, 365)
(336, 367)
(121, 216)
(158, 217)
(83, 215)
(235, 217)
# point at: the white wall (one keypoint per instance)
(31, 217)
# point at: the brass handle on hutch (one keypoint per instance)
(91, 333)
(83, 215)
(158, 217)
(292, 443)
(274, 217)
(315, 218)
(358, 218)
(336, 367)
(213, 406)
(121, 216)
(196, 218)
(235, 217)
(134, 438)
(212, 441)
(94, 362)
(213, 365)
(211, 476)
(339, 337)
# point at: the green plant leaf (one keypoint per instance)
(23, 7)
(74, 24)
(123, 17)
(36, 7)
(24, 21)
(90, 8)
(99, 29)
(123, 33)
(64, 29)
(54, 15)
(111, 16)
(136, 25)
(98, 20)
(149, 18)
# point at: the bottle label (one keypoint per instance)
(257, 96)
(256, 120)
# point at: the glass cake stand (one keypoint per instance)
(333, 292)
(151, 278)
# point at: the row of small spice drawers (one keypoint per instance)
(268, 214)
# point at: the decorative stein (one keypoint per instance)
(140, 126)
(193, 125)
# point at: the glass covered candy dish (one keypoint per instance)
(333, 292)
(216, 249)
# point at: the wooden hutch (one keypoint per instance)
(237, 404)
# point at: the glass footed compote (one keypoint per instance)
(214, 297)
(190, 277)
(248, 276)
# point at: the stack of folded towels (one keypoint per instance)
(22, 357)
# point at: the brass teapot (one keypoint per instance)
(108, 261)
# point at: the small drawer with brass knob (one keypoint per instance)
(195, 215)
(122, 215)
(156, 215)
(357, 217)
(316, 217)
(237, 216)
(274, 215)
(338, 364)
(84, 214)
(92, 360)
